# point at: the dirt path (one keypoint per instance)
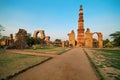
(32, 53)
(72, 65)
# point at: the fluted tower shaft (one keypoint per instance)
(80, 36)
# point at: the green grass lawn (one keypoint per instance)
(13, 63)
(112, 57)
(50, 50)
(109, 61)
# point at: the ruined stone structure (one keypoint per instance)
(44, 39)
(63, 43)
(3, 42)
(85, 39)
(47, 39)
(95, 43)
(80, 36)
(42, 34)
(71, 38)
(90, 41)
(100, 39)
(7, 41)
(10, 42)
(20, 39)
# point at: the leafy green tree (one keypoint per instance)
(108, 45)
(1, 29)
(116, 38)
(37, 41)
(57, 40)
(105, 42)
(30, 40)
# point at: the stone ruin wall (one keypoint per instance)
(71, 38)
(20, 39)
(89, 39)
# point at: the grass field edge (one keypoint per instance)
(64, 51)
(21, 71)
(94, 66)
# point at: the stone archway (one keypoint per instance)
(95, 40)
(89, 39)
(100, 39)
(42, 34)
(47, 39)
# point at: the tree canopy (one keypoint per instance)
(1, 29)
(57, 40)
(116, 38)
(105, 42)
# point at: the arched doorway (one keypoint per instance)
(42, 35)
(97, 40)
(39, 36)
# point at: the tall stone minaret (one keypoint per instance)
(80, 36)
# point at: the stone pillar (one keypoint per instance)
(11, 41)
(71, 39)
(100, 40)
(20, 39)
(47, 39)
(63, 43)
(88, 39)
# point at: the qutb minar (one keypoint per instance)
(80, 36)
(84, 38)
